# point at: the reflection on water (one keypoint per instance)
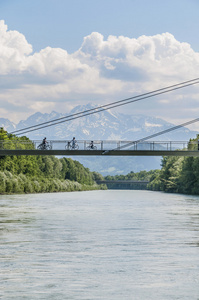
(99, 245)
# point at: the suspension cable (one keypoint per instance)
(154, 135)
(107, 106)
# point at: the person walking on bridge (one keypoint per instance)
(73, 143)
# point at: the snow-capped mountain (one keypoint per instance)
(104, 125)
(7, 125)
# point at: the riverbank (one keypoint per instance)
(178, 174)
(22, 184)
(42, 174)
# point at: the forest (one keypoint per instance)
(178, 174)
(39, 174)
(138, 176)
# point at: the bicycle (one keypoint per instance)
(72, 147)
(44, 147)
(91, 147)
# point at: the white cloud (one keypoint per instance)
(139, 59)
(13, 51)
(100, 70)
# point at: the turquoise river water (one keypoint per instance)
(99, 245)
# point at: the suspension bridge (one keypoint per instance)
(141, 147)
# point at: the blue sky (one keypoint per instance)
(55, 54)
(63, 23)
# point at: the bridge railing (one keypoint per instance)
(119, 145)
(102, 145)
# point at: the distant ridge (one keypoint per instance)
(103, 125)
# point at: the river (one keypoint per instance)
(99, 245)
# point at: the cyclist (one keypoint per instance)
(91, 145)
(44, 143)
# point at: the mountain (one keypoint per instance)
(7, 125)
(102, 126)
(105, 125)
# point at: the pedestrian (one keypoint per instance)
(73, 142)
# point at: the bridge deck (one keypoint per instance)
(101, 152)
(102, 148)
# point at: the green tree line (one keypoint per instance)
(138, 176)
(33, 174)
(178, 174)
